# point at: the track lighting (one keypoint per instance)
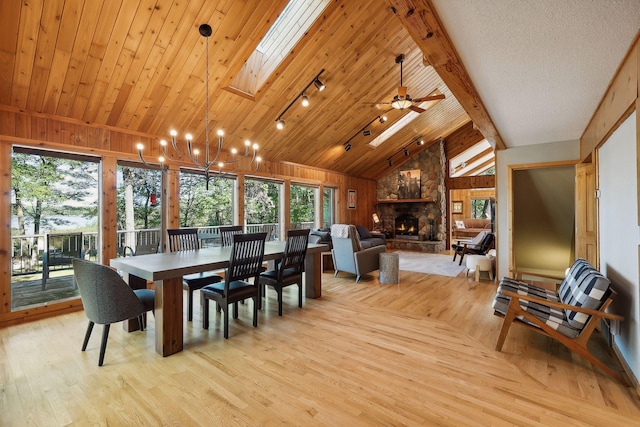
(347, 146)
(304, 98)
(405, 149)
(364, 130)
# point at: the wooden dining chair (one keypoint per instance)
(247, 254)
(290, 268)
(227, 232)
(185, 239)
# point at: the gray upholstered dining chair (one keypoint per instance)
(108, 299)
(247, 254)
(290, 268)
(184, 239)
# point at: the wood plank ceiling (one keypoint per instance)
(140, 65)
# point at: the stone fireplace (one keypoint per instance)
(416, 223)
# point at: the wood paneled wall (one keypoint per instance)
(111, 144)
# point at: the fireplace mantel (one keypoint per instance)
(389, 201)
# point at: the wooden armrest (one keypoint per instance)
(517, 274)
(561, 305)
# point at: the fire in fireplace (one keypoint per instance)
(406, 227)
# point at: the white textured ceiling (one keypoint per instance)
(540, 66)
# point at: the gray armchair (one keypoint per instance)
(348, 254)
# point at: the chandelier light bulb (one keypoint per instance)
(161, 159)
(189, 137)
(163, 142)
(247, 143)
(220, 165)
(139, 146)
(255, 146)
(234, 151)
(220, 132)
(196, 152)
(173, 133)
(258, 159)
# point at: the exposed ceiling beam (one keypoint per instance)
(480, 168)
(421, 21)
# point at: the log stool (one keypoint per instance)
(389, 268)
(478, 263)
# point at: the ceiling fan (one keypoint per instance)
(402, 100)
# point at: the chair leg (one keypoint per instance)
(461, 256)
(204, 311)
(300, 295)
(141, 322)
(279, 291)
(255, 311)
(103, 345)
(357, 278)
(87, 335)
(190, 305)
(455, 253)
(235, 310)
(225, 312)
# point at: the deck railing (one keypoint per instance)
(27, 250)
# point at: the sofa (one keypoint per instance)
(368, 238)
(470, 227)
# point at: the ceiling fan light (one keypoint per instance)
(318, 84)
(401, 104)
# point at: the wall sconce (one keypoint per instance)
(305, 99)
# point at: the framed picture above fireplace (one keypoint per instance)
(409, 184)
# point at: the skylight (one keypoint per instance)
(287, 30)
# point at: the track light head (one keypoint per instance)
(280, 124)
(390, 162)
(347, 146)
(318, 84)
(305, 101)
(420, 142)
(406, 152)
(366, 132)
(382, 119)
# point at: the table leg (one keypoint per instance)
(134, 282)
(313, 275)
(168, 316)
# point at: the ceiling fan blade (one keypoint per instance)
(429, 98)
(402, 91)
(417, 109)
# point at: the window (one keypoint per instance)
(54, 218)
(206, 206)
(481, 208)
(328, 207)
(303, 206)
(262, 207)
(138, 203)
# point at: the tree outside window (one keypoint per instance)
(202, 207)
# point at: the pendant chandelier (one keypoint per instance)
(207, 162)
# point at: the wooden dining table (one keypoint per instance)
(166, 271)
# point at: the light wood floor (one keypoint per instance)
(418, 354)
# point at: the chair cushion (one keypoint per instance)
(583, 286)
(238, 289)
(198, 280)
(147, 296)
(553, 317)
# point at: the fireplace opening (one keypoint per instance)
(406, 227)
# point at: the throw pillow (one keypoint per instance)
(363, 232)
(460, 224)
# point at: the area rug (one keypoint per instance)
(422, 262)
